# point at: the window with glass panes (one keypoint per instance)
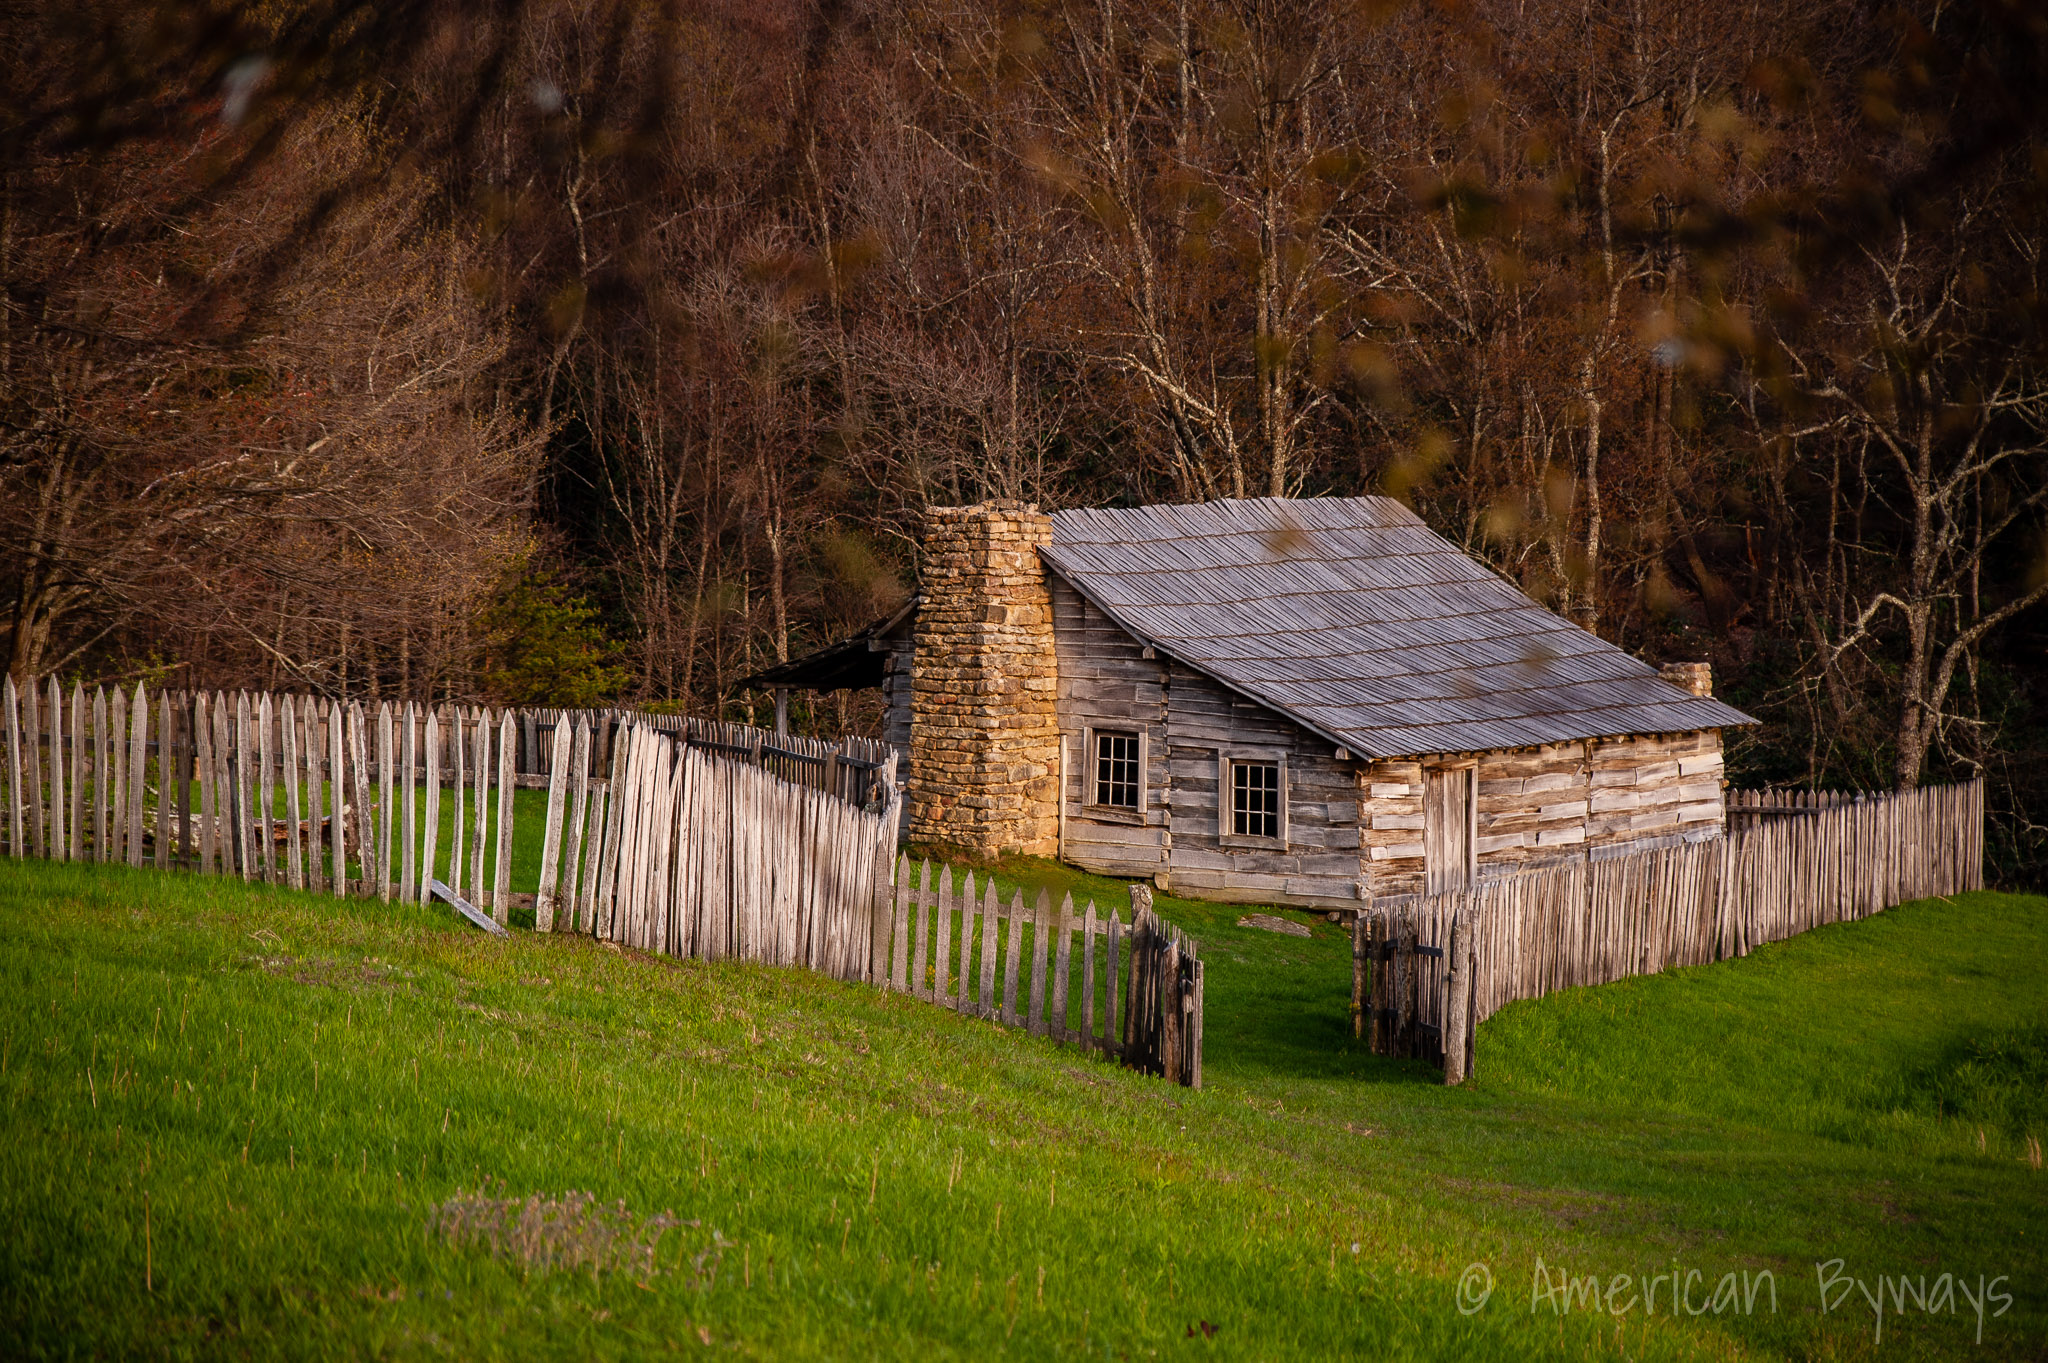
(1255, 799)
(1116, 769)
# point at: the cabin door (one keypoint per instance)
(1448, 816)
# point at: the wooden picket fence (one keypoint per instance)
(1428, 969)
(1020, 965)
(721, 859)
(342, 798)
(664, 834)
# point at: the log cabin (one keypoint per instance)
(1312, 702)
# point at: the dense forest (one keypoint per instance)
(564, 352)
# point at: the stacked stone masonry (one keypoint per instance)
(984, 732)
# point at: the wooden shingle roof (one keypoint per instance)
(1353, 618)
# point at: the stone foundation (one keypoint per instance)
(984, 729)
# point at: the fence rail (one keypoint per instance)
(1429, 968)
(847, 767)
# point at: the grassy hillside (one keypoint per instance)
(247, 1122)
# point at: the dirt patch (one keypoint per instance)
(1266, 922)
(574, 1232)
(332, 973)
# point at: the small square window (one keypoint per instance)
(1255, 799)
(1116, 770)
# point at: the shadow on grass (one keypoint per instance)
(1276, 1006)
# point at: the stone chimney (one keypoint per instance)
(984, 731)
(1696, 678)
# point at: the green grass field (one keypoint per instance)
(243, 1122)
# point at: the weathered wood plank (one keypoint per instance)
(17, 776)
(387, 800)
(337, 799)
(53, 721)
(138, 761)
(1041, 930)
(1089, 1039)
(551, 837)
(408, 804)
(318, 797)
(575, 877)
(921, 933)
(1062, 956)
(242, 773)
(1013, 958)
(266, 758)
(102, 777)
(32, 767)
(942, 947)
(501, 885)
(480, 801)
(293, 773)
(166, 777)
(990, 924)
(364, 825)
(79, 766)
(963, 1000)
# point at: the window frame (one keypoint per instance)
(1085, 803)
(1228, 758)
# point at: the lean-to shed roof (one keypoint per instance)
(1350, 616)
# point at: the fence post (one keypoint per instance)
(1401, 980)
(1456, 998)
(1142, 1016)
(1360, 935)
(1170, 1015)
(1471, 954)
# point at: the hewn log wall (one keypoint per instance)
(1107, 682)
(1320, 864)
